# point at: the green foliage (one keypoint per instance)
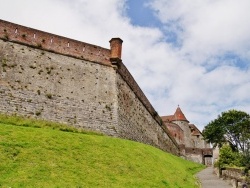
(228, 157)
(29, 122)
(6, 37)
(39, 45)
(231, 127)
(49, 95)
(48, 157)
(4, 63)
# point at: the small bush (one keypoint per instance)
(108, 108)
(4, 63)
(49, 95)
(6, 37)
(228, 157)
(32, 66)
(38, 113)
(39, 45)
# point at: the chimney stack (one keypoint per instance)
(116, 49)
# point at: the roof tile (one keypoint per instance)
(179, 116)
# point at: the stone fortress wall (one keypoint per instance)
(46, 76)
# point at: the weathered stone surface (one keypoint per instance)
(136, 123)
(51, 86)
(74, 82)
(235, 176)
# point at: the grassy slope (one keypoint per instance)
(44, 157)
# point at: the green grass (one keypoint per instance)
(49, 157)
(38, 123)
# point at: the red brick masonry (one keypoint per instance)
(54, 43)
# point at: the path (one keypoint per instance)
(209, 180)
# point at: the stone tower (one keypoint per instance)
(192, 145)
(180, 119)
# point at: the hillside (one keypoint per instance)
(33, 154)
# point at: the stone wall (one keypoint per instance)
(235, 176)
(194, 154)
(51, 86)
(134, 119)
(199, 155)
(187, 132)
(54, 43)
(51, 77)
(176, 132)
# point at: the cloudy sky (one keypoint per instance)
(192, 53)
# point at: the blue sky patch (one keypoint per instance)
(229, 59)
(235, 60)
(141, 14)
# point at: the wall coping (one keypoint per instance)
(53, 43)
(58, 44)
(128, 78)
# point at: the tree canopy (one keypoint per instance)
(232, 127)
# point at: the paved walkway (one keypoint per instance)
(209, 180)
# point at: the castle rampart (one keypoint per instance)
(54, 43)
(51, 77)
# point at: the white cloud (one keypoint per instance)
(197, 75)
(209, 30)
(208, 27)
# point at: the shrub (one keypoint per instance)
(6, 37)
(49, 95)
(39, 45)
(228, 157)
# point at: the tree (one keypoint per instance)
(232, 127)
(228, 157)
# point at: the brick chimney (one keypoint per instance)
(116, 49)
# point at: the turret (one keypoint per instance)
(116, 49)
(179, 116)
